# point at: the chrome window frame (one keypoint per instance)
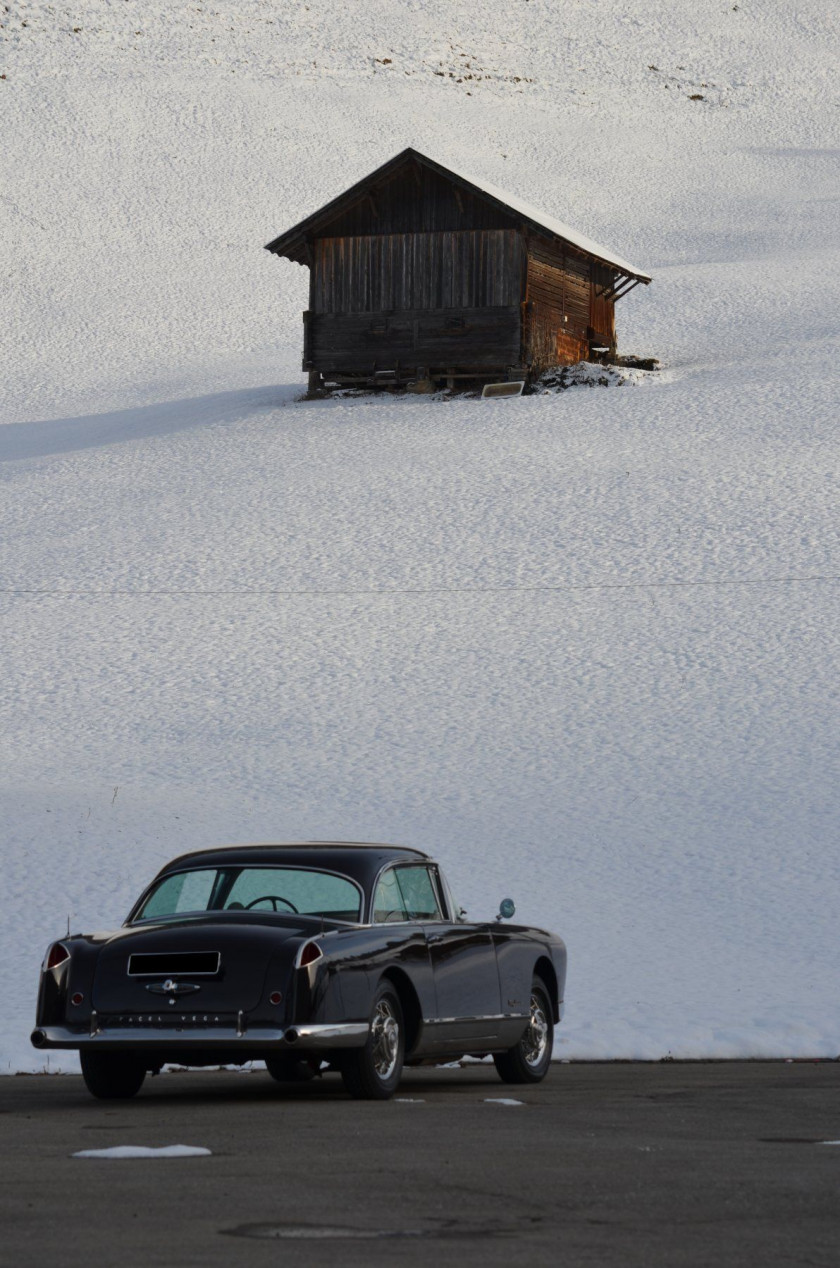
(437, 885)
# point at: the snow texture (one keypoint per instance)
(581, 646)
(142, 1151)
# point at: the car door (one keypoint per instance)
(463, 959)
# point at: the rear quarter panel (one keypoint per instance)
(355, 960)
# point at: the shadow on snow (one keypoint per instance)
(91, 431)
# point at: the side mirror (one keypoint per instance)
(507, 908)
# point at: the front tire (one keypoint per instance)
(528, 1062)
(112, 1076)
(373, 1073)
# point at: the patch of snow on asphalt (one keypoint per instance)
(501, 1100)
(142, 1151)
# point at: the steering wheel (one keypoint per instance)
(272, 898)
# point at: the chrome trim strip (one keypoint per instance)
(316, 939)
(440, 1021)
(322, 1035)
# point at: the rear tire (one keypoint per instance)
(373, 1073)
(112, 1076)
(528, 1062)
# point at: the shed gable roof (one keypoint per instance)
(292, 243)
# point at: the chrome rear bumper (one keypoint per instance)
(261, 1038)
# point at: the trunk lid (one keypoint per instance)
(217, 964)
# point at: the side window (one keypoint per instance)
(406, 893)
(418, 891)
(388, 900)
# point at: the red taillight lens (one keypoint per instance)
(309, 954)
(276, 997)
(77, 999)
(56, 955)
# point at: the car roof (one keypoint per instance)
(360, 860)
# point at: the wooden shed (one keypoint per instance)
(421, 275)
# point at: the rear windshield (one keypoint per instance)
(282, 889)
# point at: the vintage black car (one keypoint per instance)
(308, 957)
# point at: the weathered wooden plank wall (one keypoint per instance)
(560, 280)
(480, 269)
(563, 308)
(603, 310)
(365, 342)
(557, 310)
(415, 201)
(545, 342)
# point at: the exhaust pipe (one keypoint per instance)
(38, 1039)
(292, 1036)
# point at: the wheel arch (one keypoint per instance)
(410, 1004)
(545, 970)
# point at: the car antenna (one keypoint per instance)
(69, 914)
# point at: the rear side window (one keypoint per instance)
(406, 893)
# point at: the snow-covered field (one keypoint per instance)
(582, 646)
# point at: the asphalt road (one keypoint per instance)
(670, 1164)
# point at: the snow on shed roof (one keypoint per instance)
(554, 227)
(291, 243)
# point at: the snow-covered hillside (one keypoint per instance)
(584, 646)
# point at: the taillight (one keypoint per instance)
(308, 954)
(56, 955)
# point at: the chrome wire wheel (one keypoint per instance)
(536, 1038)
(373, 1072)
(529, 1060)
(385, 1033)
